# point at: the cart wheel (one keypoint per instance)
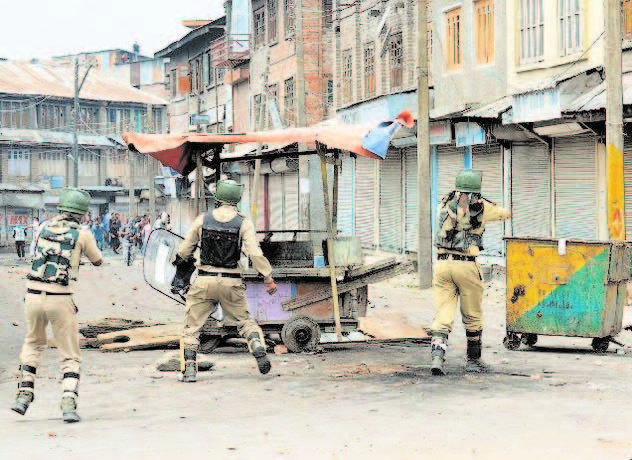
(600, 344)
(300, 333)
(511, 341)
(208, 343)
(529, 339)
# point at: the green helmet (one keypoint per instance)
(74, 200)
(469, 181)
(228, 191)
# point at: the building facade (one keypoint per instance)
(37, 128)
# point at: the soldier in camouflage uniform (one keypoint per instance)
(60, 244)
(461, 223)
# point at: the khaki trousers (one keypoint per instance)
(202, 299)
(457, 281)
(60, 311)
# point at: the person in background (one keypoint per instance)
(106, 228)
(115, 228)
(97, 231)
(34, 231)
(164, 222)
(146, 230)
(19, 235)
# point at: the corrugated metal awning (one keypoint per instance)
(44, 136)
(596, 98)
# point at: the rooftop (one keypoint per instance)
(48, 79)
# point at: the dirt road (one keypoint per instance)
(368, 401)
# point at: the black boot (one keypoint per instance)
(474, 362)
(258, 349)
(438, 346)
(189, 374)
(70, 383)
(26, 390)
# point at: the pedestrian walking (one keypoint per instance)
(34, 230)
(223, 235)
(115, 227)
(19, 235)
(49, 287)
(97, 232)
(462, 217)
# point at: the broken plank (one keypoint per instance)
(141, 338)
(102, 326)
(325, 293)
(367, 269)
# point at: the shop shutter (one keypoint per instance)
(391, 209)
(531, 190)
(290, 201)
(489, 159)
(275, 201)
(366, 201)
(410, 200)
(244, 204)
(575, 188)
(346, 197)
(627, 171)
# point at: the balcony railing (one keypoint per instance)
(230, 50)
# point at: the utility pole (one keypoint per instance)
(151, 162)
(299, 88)
(614, 122)
(75, 120)
(130, 178)
(424, 227)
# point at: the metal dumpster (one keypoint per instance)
(572, 288)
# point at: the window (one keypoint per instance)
(50, 116)
(484, 30)
(369, 69)
(330, 93)
(288, 102)
(52, 163)
(570, 30)
(626, 21)
(273, 34)
(173, 83)
(327, 14)
(396, 59)
(454, 54)
(531, 31)
(258, 115)
(347, 76)
(260, 27)
(19, 163)
(273, 100)
(88, 164)
(288, 13)
(16, 114)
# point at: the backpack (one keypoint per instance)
(460, 222)
(53, 251)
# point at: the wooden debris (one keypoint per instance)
(391, 326)
(92, 329)
(170, 362)
(141, 338)
(83, 343)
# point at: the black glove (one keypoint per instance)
(182, 279)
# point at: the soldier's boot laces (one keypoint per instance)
(189, 374)
(258, 350)
(474, 363)
(69, 409)
(439, 346)
(26, 389)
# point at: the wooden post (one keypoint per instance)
(199, 183)
(330, 241)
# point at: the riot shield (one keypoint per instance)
(158, 270)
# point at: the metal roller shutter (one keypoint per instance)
(366, 201)
(391, 203)
(531, 190)
(346, 196)
(290, 201)
(410, 200)
(450, 162)
(489, 159)
(260, 222)
(244, 204)
(575, 188)
(627, 171)
(275, 201)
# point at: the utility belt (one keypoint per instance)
(220, 274)
(35, 291)
(456, 257)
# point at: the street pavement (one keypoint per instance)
(556, 401)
